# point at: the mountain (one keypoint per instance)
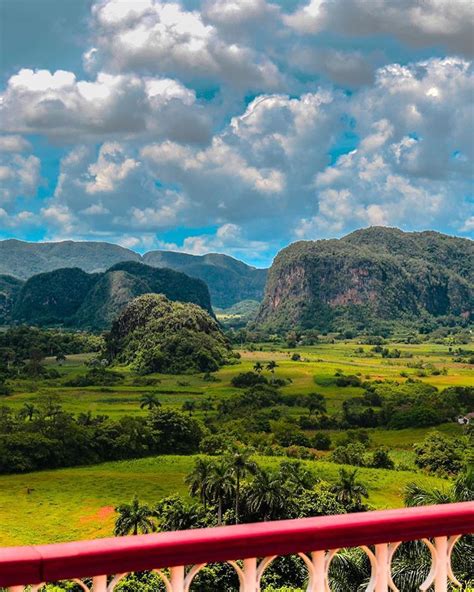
(9, 290)
(91, 301)
(23, 260)
(229, 280)
(154, 334)
(371, 274)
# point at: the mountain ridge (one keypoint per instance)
(371, 274)
(229, 280)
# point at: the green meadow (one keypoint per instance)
(78, 503)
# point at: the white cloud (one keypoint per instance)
(164, 38)
(20, 176)
(419, 24)
(14, 144)
(60, 106)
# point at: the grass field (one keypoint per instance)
(78, 503)
(320, 362)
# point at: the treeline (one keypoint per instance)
(47, 437)
(17, 343)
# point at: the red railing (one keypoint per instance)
(20, 566)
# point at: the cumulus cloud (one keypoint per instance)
(20, 176)
(419, 24)
(109, 192)
(59, 105)
(163, 37)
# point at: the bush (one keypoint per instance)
(248, 379)
(321, 441)
(350, 454)
(381, 460)
(439, 454)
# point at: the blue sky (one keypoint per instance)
(234, 126)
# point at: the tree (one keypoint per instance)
(28, 411)
(271, 365)
(267, 496)
(258, 367)
(439, 454)
(189, 406)
(296, 476)
(220, 486)
(240, 465)
(134, 518)
(316, 403)
(197, 479)
(349, 491)
(60, 358)
(149, 401)
(174, 513)
(461, 490)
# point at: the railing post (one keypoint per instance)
(442, 559)
(250, 575)
(318, 574)
(99, 584)
(383, 567)
(177, 578)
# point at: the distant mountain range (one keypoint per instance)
(74, 298)
(230, 281)
(375, 274)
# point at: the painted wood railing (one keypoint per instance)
(177, 557)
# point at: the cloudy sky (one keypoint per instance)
(235, 126)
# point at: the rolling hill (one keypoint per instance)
(230, 281)
(75, 298)
(370, 275)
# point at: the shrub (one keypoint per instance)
(321, 441)
(248, 379)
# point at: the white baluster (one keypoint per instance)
(250, 576)
(318, 580)
(177, 578)
(441, 578)
(99, 584)
(382, 571)
(16, 589)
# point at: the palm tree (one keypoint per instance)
(28, 411)
(267, 496)
(240, 465)
(462, 490)
(134, 518)
(150, 401)
(348, 490)
(220, 486)
(258, 367)
(294, 474)
(189, 406)
(197, 479)
(271, 365)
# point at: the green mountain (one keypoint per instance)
(154, 334)
(371, 274)
(9, 290)
(229, 280)
(91, 301)
(23, 260)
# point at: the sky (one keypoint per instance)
(234, 126)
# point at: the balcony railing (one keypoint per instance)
(177, 557)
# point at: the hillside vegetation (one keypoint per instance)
(154, 334)
(369, 276)
(75, 298)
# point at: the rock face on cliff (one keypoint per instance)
(376, 273)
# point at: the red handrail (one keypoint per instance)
(47, 563)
